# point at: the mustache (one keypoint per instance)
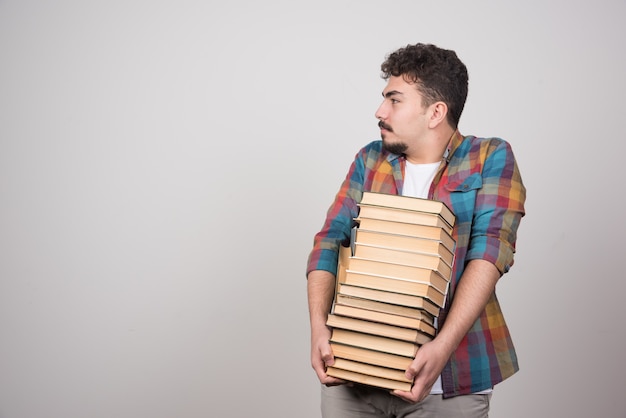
(383, 125)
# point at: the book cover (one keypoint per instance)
(407, 230)
(384, 318)
(406, 258)
(383, 330)
(368, 379)
(409, 203)
(390, 284)
(404, 243)
(399, 271)
(384, 307)
(402, 215)
(371, 370)
(374, 342)
(392, 298)
(365, 355)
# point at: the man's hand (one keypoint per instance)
(424, 370)
(321, 289)
(322, 356)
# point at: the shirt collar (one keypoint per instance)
(453, 144)
(391, 157)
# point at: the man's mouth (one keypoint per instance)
(383, 125)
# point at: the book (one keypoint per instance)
(383, 330)
(384, 318)
(398, 271)
(374, 342)
(403, 215)
(391, 282)
(409, 203)
(365, 355)
(391, 298)
(371, 369)
(367, 379)
(407, 258)
(406, 230)
(342, 263)
(388, 284)
(397, 377)
(384, 307)
(404, 243)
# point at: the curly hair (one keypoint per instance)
(438, 73)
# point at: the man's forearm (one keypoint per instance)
(320, 290)
(470, 298)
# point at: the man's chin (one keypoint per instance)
(394, 148)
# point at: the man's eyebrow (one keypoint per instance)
(392, 93)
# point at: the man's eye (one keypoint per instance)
(394, 101)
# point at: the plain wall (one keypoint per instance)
(164, 166)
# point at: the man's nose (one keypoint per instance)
(381, 112)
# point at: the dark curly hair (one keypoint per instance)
(438, 73)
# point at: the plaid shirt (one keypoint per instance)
(480, 181)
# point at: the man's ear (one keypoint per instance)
(438, 113)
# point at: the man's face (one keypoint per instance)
(402, 118)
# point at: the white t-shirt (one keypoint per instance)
(417, 181)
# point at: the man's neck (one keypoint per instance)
(432, 149)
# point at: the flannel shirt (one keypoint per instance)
(480, 181)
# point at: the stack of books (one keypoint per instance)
(391, 283)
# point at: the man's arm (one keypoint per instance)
(475, 287)
(321, 290)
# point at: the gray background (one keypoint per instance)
(164, 166)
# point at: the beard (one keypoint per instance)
(397, 148)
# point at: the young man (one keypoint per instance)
(422, 154)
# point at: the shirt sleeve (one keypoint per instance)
(499, 207)
(339, 219)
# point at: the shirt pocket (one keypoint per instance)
(464, 183)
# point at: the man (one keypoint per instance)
(422, 154)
